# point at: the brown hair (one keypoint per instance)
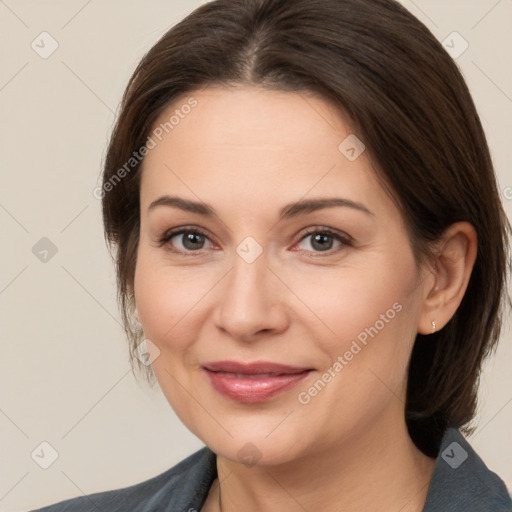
(407, 99)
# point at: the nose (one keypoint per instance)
(251, 303)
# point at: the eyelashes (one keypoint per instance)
(195, 234)
(166, 238)
(344, 240)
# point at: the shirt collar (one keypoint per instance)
(462, 482)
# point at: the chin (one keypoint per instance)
(256, 450)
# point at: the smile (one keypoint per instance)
(255, 382)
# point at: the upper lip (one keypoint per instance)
(255, 368)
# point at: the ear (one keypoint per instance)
(455, 258)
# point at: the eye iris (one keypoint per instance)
(321, 239)
(193, 238)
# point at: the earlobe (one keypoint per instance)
(455, 259)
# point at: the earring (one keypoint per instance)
(433, 327)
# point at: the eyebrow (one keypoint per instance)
(291, 210)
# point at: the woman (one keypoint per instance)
(309, 239)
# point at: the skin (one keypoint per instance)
(248, 152)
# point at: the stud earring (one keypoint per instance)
(433, 327)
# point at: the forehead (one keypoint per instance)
(253, 142)
(247, 118)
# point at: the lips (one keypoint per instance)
(253, 382)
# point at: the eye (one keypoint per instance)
(187, 241)
(323, 239)
(184, 240)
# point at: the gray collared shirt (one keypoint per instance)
(461, 482)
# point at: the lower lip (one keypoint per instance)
(253, 389)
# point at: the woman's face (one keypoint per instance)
(285, 250)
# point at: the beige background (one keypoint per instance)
(65, 375)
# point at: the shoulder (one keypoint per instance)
(178, 488)
(462, 482)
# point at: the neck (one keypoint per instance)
(379, 468)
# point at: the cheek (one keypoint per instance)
(373, 313)
(169, 303)
(367, 358)
(360, 302)
(166, 300)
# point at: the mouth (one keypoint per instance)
(253, 382)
